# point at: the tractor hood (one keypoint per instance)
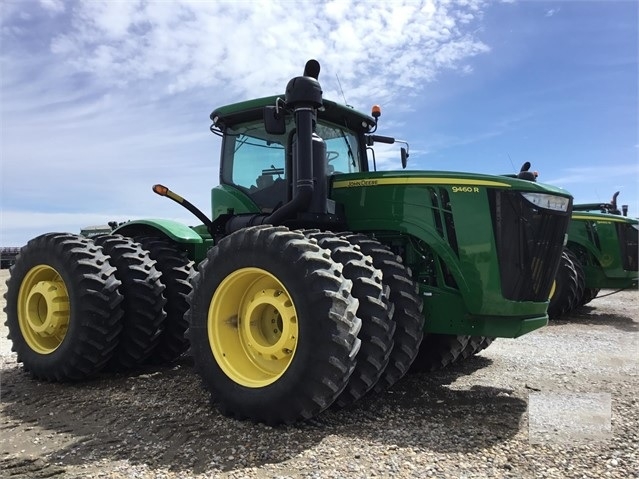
(459, 181)
(602, 217)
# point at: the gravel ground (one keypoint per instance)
(559, 402)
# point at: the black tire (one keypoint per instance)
(63, 307)
(589, 295)
(485, 342)
(438, 351)
(565, 293)
(300, 369)
(408, 306)
(143, 303)
(581, 279)
(176, 269)
(475, 345)
(374, 310)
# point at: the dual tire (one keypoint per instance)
(273, 326)
(63, 307)
(285, 323)
(570, 290)
(77, 306)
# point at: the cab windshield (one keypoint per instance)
(256, 162)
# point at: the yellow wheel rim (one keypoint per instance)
(252, 327)
(552, 289)
(43, 309)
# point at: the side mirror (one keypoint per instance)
(404, 155)
(274, 122)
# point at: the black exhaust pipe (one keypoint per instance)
(303, 97)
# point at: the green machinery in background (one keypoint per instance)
(601, 253)
(316, 281)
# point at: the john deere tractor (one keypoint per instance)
(318, 280)
(601, 252)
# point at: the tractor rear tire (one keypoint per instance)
(273, 326)
(176, 269)
(374, 310)
(63, 307)
(143, 303)
(408, 306)
(565, 291)
(438, 351)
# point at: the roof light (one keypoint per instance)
(376, 111)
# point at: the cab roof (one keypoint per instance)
(253, 110)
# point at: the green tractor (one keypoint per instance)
(602, 252)
(317, 281)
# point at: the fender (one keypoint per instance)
(173, 230)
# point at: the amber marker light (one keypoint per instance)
(164, 191)
(161, 190)
(376, 111)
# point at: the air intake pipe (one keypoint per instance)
(303, 98)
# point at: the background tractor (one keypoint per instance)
(601, 252)
(318, 279)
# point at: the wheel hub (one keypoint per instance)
(43, 309)
(47, 308)
(267, 324)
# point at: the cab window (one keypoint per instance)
(342, 149)
(255, 161)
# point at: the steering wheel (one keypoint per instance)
(331, 155)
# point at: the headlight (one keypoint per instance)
(550, 202)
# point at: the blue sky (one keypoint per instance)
(101, 100)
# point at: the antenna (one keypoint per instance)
(340, 89)
(511, 162)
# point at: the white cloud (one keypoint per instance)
(552, 12)
(249, 49)
(585, 175)
(54, 6)
(112, 97)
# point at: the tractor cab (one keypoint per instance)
(260, 163)
(279, 154)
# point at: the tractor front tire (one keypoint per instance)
(374, 310)
(63, 307)
(408, 306)
(438, 351)
(273, 326)
(589, 295)
(581, 279)
(475, 345)
(564, 293)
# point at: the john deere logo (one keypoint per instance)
(353, 183)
